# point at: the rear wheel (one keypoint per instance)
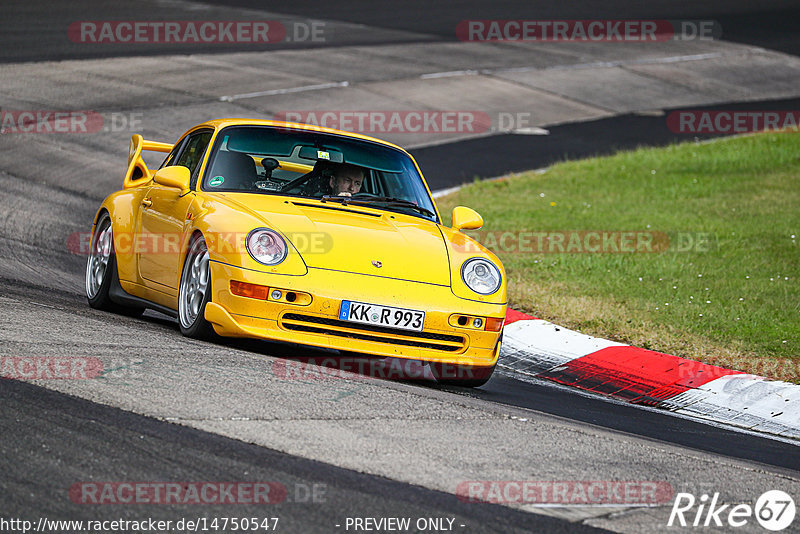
(101, 269)
(195, 292)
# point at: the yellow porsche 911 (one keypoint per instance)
(295, 233)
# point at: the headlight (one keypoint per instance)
(266, 246)
(481, 276)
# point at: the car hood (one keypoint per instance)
(356, 239)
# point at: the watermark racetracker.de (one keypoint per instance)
(50, 367)
(68, 122)
(728, 122)
(590, 241)
(133, 32)
(381, 122)
(566, 492)
(347, 368)
(498, 241)
(208, 493)
(756, 368)
(195, 492)
(153, 243)
(587, 31)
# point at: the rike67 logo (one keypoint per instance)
(774, 510)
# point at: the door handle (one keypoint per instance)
(147, 203)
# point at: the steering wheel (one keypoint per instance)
(297, 181)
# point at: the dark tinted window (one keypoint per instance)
(171, 156)
(309, 163)
(193, 151)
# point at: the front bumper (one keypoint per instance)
(315, 321)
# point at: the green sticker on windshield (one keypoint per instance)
(216, 181)
(321, 154)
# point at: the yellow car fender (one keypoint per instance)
(122, 208)
(461, 248)
(229, 247)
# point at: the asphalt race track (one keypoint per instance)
(769, 24)
(516, 153)
(171, 410)
(44, 420)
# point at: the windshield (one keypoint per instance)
(308, 164)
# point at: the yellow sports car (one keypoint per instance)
(291, 232)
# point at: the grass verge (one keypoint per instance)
(692, 249)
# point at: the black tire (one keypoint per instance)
(101, 271)
(466, 376)
(192, 298)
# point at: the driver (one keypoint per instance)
(346, 179)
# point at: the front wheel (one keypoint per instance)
(467, 376)
(195, 292)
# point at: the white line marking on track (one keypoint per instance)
(272, 92)
(533, 130)
(449, 74)
(618, 63)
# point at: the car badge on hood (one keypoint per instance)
(377, 264)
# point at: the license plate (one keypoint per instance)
(390, 316)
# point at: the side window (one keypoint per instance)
(171, 155)
(193, 151)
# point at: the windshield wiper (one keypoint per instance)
(392, 201)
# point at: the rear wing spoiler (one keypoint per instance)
(138, 173)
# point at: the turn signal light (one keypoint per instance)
(253, 291)
(494, 324)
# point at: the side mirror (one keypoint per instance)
(466, 219)
(176, 176)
